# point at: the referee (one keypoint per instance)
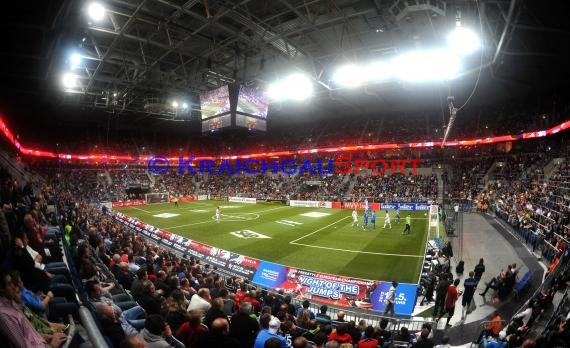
(408, 224)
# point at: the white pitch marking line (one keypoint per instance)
(320, 229)
(355, 251)
(195, 223)
(146, 211)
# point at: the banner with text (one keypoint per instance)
(406, 206)
(133, 203)
(310, 204)
(322, 287)
(242, 200)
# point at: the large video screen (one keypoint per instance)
(216, 123)
(252, 101)
(251, 123)
(215, 102)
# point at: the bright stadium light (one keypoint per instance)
(69, 81)
(96, 11)
(350, 76)
(463, 41)
(175, 104)
(379, 71)
(184, 106)
(293, 87)
(75, 59)
(423, 66)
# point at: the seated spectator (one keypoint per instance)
(444, 342)
(243, 327)
(269, 329)
(368, 341)
(201, 301)
(157, 333)
(381, 333)
(323, 318)
(130, 318)
(499, 342)
(215, 312)
(404, 336)
(189, 331)
(341, 334)
(133, 342)
(150, 300)
(339, 319)
(493, 328)
(424, 341)
(14, 326)
(173, 309)
(111, 326)
(218, 336)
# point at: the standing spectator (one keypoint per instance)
(479, 270)
(469, 285)
(391, 299)
(450, 299)
(215, 312)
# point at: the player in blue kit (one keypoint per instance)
(373, 219)
(365, 220)
(397, 215)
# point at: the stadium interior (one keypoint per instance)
(146, 201)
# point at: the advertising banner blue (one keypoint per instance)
(405, 298)
(405, 206)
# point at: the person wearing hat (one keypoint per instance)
(269, 329)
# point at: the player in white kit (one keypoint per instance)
(218, 214)
(387, 220)
(354, 218)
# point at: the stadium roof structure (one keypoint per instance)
(145, 53)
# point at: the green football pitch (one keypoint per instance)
(320, 240)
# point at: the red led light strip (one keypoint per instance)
(101, 157)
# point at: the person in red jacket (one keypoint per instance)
(368, 341)
(452, 296)
(341, 335)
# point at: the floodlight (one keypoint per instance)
(184, 106)
(69, 80)
(350, 76)
(75, 59)
(296, 87)
(96, 11)
(379, 71)
(175, 104)
(463, 41)
(422, 66)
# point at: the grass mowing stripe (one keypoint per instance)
(355, 251)
(207, 221)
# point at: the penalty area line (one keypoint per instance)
(356, 251)
(320, 229)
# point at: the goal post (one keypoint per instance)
(161, 197)
(434, 222)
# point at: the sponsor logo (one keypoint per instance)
(248, 234)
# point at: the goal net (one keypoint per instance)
(157, 198)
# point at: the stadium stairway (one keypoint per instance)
(551, 167)
(499, 248)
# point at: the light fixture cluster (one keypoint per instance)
(439, 64)
(70, 80)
